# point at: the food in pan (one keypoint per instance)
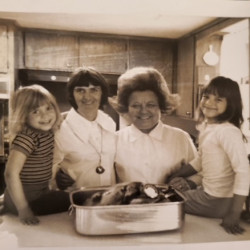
(130, 193)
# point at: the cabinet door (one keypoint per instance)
(108, 55)
(50, 51)
(158, 54)
(205, 72)
(185, 76)
(3, 49)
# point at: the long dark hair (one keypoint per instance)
(85, 76)
(229, 89)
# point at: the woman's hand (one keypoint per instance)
(180, 184)
(185, 170)
(27, 217)
(231, 223)
(63, 180)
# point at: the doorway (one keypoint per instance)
(234, 63)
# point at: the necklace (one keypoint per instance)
(97, 144)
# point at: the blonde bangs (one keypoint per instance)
(27, 99)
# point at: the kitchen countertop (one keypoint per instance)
(59, 231)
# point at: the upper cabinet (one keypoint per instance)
(104, 54)
(3, 49)
(155, 53)
(50, 51)
(7, 58)
(108, 54)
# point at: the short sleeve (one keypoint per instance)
(24, 144)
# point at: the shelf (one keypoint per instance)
(4, 96)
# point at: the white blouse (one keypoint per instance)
(222, 160)
(81, 146)
(151, 157)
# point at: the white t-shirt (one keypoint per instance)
(81, 146)
(151, 157)
(222, 160)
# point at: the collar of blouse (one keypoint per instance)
(156, 133)
(80, 125)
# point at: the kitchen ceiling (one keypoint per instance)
(148, 18)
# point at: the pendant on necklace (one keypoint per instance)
(99, 170)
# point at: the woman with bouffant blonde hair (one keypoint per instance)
(154, 149)
(146, 78)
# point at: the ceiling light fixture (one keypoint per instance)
(210, 57)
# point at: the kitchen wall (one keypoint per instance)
(54, 50)
(7, 75)
(231, 44)
(180, 61)
(235, 63)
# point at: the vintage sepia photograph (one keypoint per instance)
(124, 124)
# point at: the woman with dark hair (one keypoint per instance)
(148, 150)
(85, 143)
(83, 77)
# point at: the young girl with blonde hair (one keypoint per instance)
(34, 119)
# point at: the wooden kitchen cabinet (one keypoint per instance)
(108, 55)
(185, 76)
(155, 53)
(7, 55)
(3, 49)
(50, 51)
(7, 83)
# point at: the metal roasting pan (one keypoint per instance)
(125, 219)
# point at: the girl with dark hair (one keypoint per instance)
(226, 88)
(222, 159)
(85, 143)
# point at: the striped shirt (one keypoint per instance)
(38, 147)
